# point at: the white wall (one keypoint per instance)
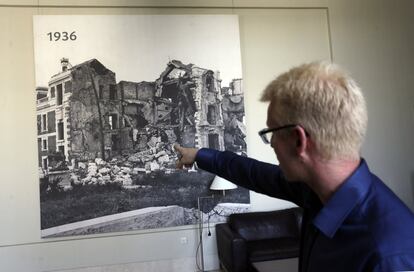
(373, 39)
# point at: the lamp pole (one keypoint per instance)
(200, 227)
(217, 184)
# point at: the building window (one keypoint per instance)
(210, 83)
(61, 150)
(211, 115)
(112, 92)
(39, 123)
(44, 122)
(213, 141)
(113, 121)
(44, 144)
(60, 130)
(68, 86)
(59, 95)
(44, 163)
(52, 92)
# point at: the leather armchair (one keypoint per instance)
(258, 236)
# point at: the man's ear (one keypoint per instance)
(302, 141)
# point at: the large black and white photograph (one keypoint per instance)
(114, 94)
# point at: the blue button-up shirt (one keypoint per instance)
(363, 227)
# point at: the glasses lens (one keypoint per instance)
(266, 137)
(266, 134)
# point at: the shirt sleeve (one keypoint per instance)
(261, 177)
(400, 262)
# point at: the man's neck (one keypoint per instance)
(328, 176)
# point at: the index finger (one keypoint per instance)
(177, 147)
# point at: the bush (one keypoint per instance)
(50, 187)
(44, 184)
(85, 189)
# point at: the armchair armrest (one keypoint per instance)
(232, 249)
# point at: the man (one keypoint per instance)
(316, 122)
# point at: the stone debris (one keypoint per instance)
(161, 153)
(75, 178)
(124, 169)
(154, 166)
(164, 159)
(92, 169)
(99, 161)
(138, 170)
(104, 171)
(115, 169)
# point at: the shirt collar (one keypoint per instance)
(343, 201)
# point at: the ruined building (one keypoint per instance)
(80, 115)
(232, 106)
(84, 114)
(186, 106)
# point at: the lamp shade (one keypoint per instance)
(222, 184)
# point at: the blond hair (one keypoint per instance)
(326, 102)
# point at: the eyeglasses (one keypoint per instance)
(266, 133)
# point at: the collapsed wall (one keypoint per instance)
(139, 120)
(182, 104)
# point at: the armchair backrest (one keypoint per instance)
(267, 225)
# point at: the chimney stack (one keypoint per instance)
(218, 75)
(65, 63)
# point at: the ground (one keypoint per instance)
(153, 189)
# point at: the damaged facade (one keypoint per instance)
(83, 110)
(233, 117)
(84, 114)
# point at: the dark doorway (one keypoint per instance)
(213, 141)
(115, 142)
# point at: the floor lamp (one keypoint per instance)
(218, 183)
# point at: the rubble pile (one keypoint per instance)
(122, 169)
